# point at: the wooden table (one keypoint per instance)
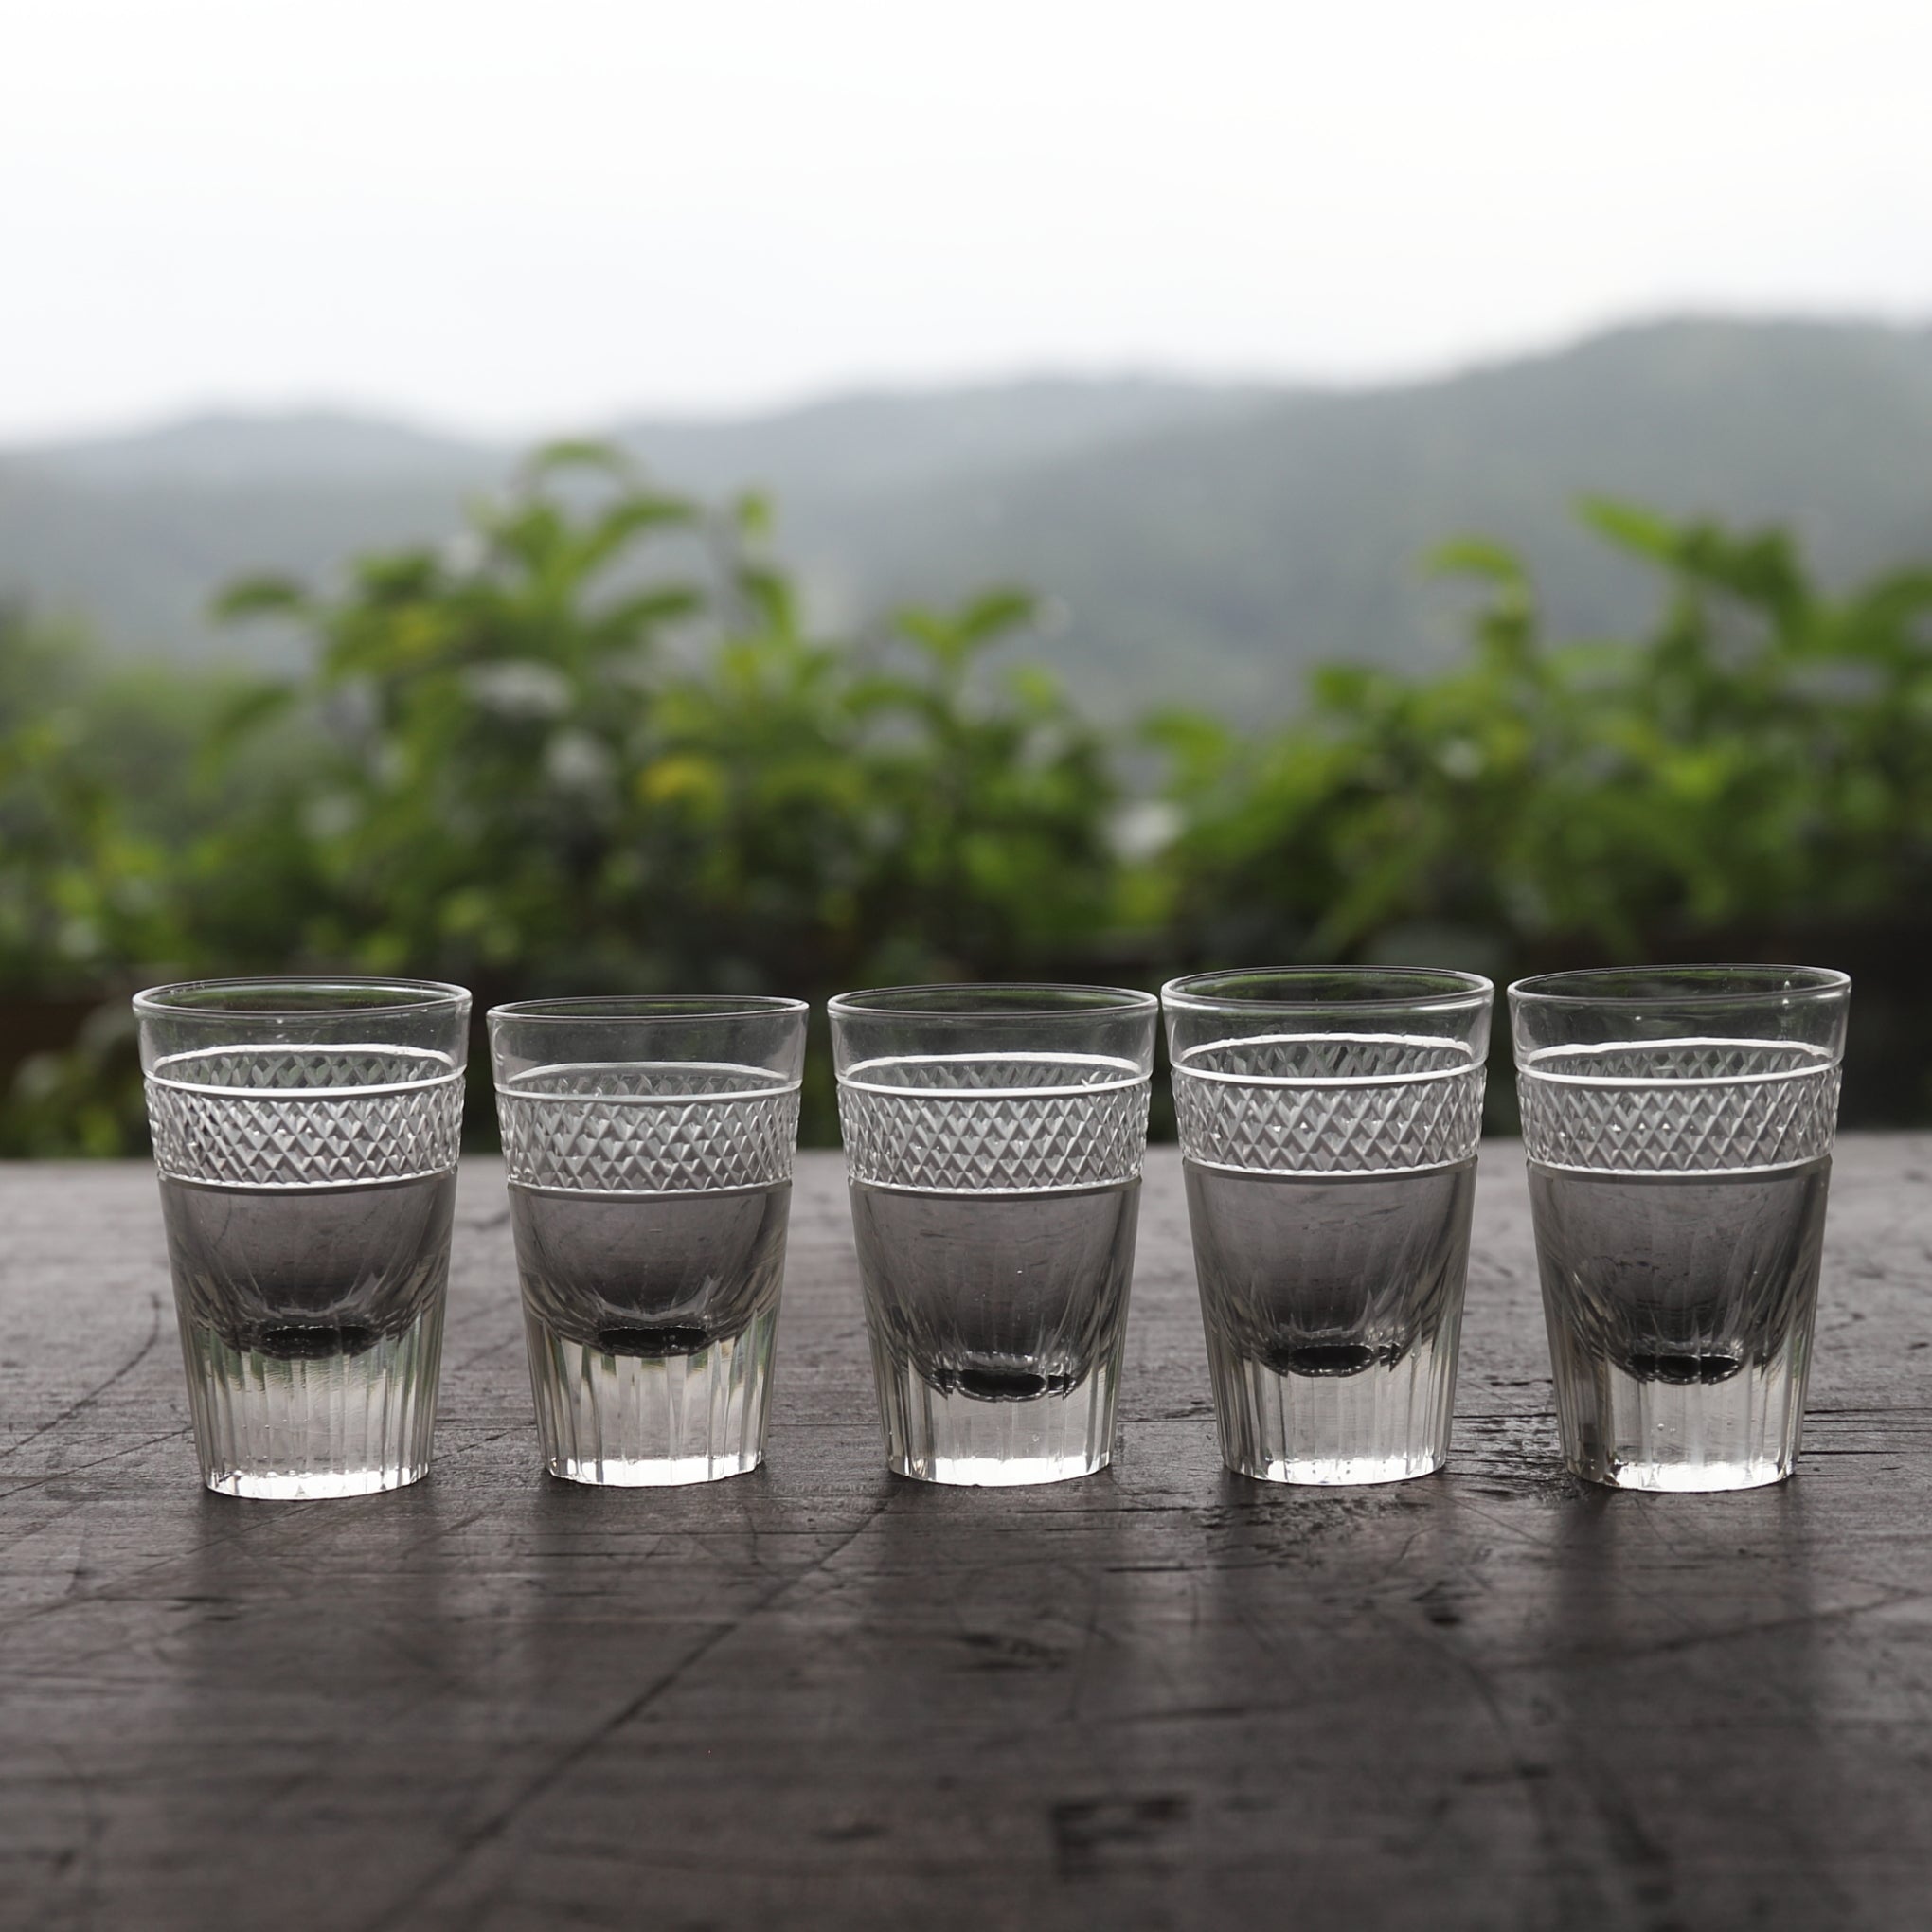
(820, 1695)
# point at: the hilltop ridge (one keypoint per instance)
(1202, 541)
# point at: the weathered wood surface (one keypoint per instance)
(1161, 1697)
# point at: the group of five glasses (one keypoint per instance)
(1678, 1121)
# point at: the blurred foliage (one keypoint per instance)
(1762, 760)
(591, 744)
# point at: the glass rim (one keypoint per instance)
(1649, 988)
(657, 1009)
(981, 1000)
(222, 999)
(1430, 990)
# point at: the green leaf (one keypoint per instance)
(992, 614)
(1475, 557)
(633, 619)
(260, 596)
(624, 522)
(771, 596)
(245, 712)
(578, 452)
(1631, 527)
(754, 516)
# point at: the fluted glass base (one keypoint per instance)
(940, 1435)
(644, 1421)
(1376, 1422)
(315, 1423)
(1741, 1432)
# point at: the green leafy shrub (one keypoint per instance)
(591, 744)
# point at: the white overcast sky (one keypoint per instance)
(524, 217)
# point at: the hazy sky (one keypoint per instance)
(522, 217)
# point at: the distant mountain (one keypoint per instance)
(858, 447)
(1204, 542)
(1223, 559)
(225, 449)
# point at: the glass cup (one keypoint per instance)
(993, 1139)
(1329, 1120)
(1678, 1122)
(648, 1145)
(306, 1134)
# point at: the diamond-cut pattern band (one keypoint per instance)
(1691, 1107)
(305, 1117)
(1329, 1103)
(994, 1124)
(666, 1129)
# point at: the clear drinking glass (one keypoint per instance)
(1678, 1122)
(306, 1134)
(993, 1139)
(1328, 1122)
(649, 1146)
